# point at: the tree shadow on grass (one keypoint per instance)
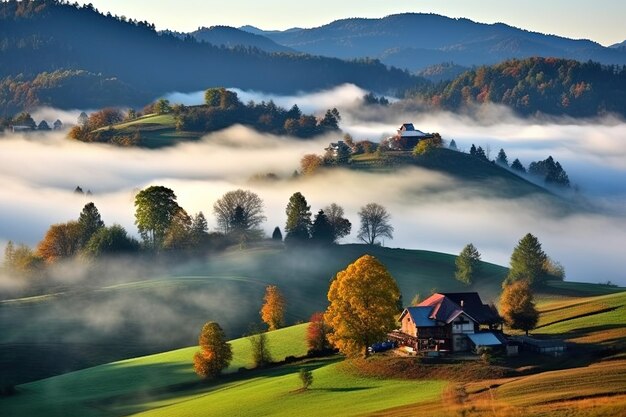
(346, 389)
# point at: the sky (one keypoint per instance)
(601, 20)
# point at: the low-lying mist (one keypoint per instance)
(429, 210)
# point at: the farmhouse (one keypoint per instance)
(455, 322)
(407, 137)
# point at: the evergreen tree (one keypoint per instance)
(199, 229)
(473, 150)
(322, 232)
(527, 262)
(480, 153)
(517, 166)
(467, 264)
(502, 159)
(277, 235)
(298, 219)
(453, 146)
(90, 222)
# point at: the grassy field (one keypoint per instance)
(165, 385)
(155, 130)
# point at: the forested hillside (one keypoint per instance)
(546, 85)
(44, 36)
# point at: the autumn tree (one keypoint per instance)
(178, 234)
(113, 240)
(517, 306)
(241, 212)
(155, 207)
(215, 352)
(298, 224)
(374, 223)
(340, 225)
(60, 242)
(317, 333)
(20, 259)
(467, 264)
(322, 231)
(90, 222)
(310, 163)
(105, 117)
(273, 310)
(363, 306)
(527, 262)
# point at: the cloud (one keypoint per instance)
(429, 210)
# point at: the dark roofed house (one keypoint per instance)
(407, 137)
(454, 322)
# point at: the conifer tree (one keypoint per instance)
(467, 264)
(527, 262)
(298, 219)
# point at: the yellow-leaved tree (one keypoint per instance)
(363, 306)
(215, 352)
(273, 310)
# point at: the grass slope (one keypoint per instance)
(155, 130)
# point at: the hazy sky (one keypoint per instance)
(601, 20)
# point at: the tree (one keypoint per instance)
(273, 310)
(24, 119)
(112, 240)
(322, 231)
(480, 153)
(317, 333)
(162, 106)
(517, 166)
(261, 355)
(551, 171)
(277, 235)
(452, 145)
(60, 242)
(502, 159)
(527, 262)
(517, 306)
(374, 223)
(310, 163)
(21, 260)
(340, 225)
(199, 229)
(178, 234)
(155, 207)
(240, 211)
(104, 117)
(215, 352)
(473, 150)
(363, 305)
(90, 222)
(306, 376)
(467, 264)
(43, 125)
(78, 190)
(298, 219)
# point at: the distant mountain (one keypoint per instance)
(46, 37)
(536, 85)
(621, 45)
(416, 41)
(232, 37)
(442, 72)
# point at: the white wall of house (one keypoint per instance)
(462, 325)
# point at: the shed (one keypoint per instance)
(485, 339)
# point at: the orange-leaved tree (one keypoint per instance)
(317, 333)
(517, 306)
(273, 310)
(215, 353)
(363, 305)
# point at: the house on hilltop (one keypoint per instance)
(407, 137)
(455, 322)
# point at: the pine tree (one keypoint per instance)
(527, 262)
(467, 264)
(277, 235)
(517, 166)
(90, 222)
(473, 150)
(322, 230)
(298, 219)
(502, 159)
(452, 145)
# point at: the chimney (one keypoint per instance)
(461, 303)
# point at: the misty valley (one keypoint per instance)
(308, 221)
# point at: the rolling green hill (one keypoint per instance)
(164, 384)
